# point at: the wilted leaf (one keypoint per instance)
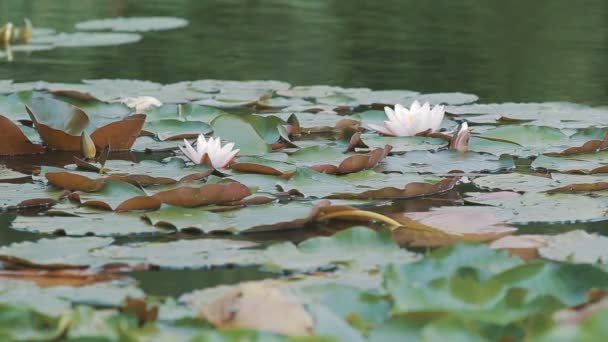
(206, 194)
(241, 308)
(447, 225)
(13, 141)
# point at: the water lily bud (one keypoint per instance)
(87, 146)
(460, 139)
(25, 34)
(6, 33)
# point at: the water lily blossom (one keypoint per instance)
(403, 122)
(141, 103)
(210, 152)
(460, 139)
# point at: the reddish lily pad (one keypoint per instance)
(205, 195)
(447, 225)
(60, 126)
(13, 141)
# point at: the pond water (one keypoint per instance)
(547, 50)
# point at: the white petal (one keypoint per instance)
(398, 129)
(190, 152)
(401, 112)
(380, 129)
(415, 107)
(390, 114)
(436, 117)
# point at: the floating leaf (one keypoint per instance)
(86, 39)
(576, 246)
(360, 247)
(445, 161)
(61, 253)
(85, 224)
(173, 129)
(240, 309)
(133, 24)
(117, 196)
(448, 225)
(61, 124)
(254, 218)
(13, 141)
(205, 195)
(239, 131)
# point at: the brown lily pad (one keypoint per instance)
(355, 163)
(448, 225)
(205, 195)
(120, 135)
(60, 277)
(582, 187)
(242, 308)
(60, 126)
(13, 141)
(523, 246)
(411, 190)
(590, 146)
(74, 182)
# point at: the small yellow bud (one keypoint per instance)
(87, 146)
(6, 33)
(25, 34)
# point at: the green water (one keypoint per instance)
(500, 50)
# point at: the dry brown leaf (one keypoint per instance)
(411, 190)
(205, 195)
(581, 187)
(448, 225)
(61, 277)
(120, 135)
(523, 246)
(13, 141)
(259, 306)
(590, 146)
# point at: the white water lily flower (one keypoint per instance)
(403, 122)
(141, 103)
(210, 151)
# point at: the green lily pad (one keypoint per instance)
(359, 247)
(576, 246)
(55, 253)
(403, 144)
(86, 39)
(172, 129)
(133, 24)
(26, 195)
(451, 281)
(445, 161)
(98, 224)
(533, 207)
(585, 163)
(532, 140)
(183, 253)
(319, 185)
(531, 183)
(236, 129)
(552, 114)
(116, 195)
(264, 217)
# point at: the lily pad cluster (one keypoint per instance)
(503, 214)
(91, 33)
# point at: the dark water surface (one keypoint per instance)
(518, 50)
